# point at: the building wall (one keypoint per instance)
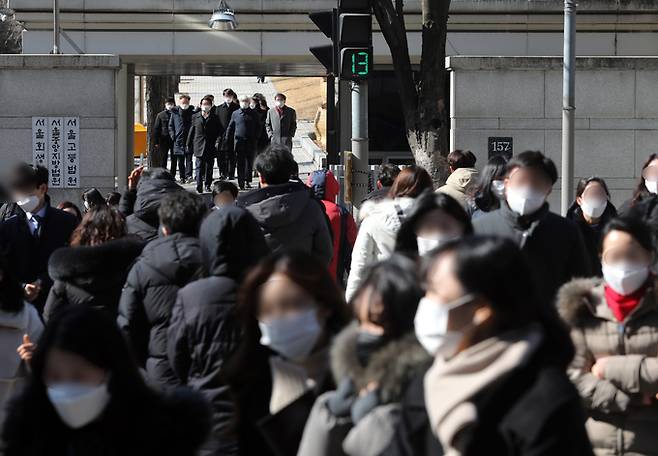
(616, 112)
(61, 86)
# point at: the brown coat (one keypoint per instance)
(623, 410)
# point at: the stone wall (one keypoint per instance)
(521, 97)
(61, 86)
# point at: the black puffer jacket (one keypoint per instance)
(202, 333)
(166, 264)
(592, 233)
(143, 221)
(91, 275)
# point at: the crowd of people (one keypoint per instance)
(232, 133)
(463, 320)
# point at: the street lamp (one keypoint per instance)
(223, 18)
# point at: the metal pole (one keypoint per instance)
(56, 46)
(568, 104)
(359, 143)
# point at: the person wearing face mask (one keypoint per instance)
(31, 236)
(260, 108)
(591, 211)
(160, 139)
(92, 198)
(490, 188)
(614, 324)
(203, 140)
(179, 128)
(244, 130)
(462, 179)
(149, 293)
(20, 324)
(435, 219)
(553, 245)
(498, 384)
(290, 309)
(644, 202)
(373, 361)
(86, 397)
(281, 122)
(226, 160)
(202, 332)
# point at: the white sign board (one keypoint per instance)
(56, 145)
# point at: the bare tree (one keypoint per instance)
(423, 96)
(158, 88)
(10, 30)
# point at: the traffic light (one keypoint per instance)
(350, 29)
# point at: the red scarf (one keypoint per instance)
(621, 305)
(280, 111)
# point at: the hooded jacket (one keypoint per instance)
(90, 275)
(552, 244)
(623, 410)
(376, 238)
(458, 185)
(143, 222)
(202, 333)
(326, 189)
(12, 369)
(291, 219)
(392, 367)
(148, 297)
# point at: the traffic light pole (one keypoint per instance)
(360, 168)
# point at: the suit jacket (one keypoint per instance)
(225, 113)
(29, 255)
(281, 129)
(160, 132)
(204, 135)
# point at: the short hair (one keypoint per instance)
(170, 100)
(210, 96)
(26, 177)
(182, 95)
(229, 92)
(207, 98)
(387, 174)
(70, 205)
(536, 160)
(224, 186)
(182, 212)
(411, 182)
(275, 164)
(244, 97)
(461, 159)
(635, 227)
(280, 95)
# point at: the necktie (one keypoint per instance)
(36, 220)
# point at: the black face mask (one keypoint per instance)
(368, 343)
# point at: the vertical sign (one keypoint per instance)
(55, 151)
(40, 141)
(71, 160)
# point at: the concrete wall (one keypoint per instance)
(73, 86)
(521, 97)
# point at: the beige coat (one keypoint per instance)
(623, 410)
(459, 184)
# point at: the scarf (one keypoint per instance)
(620, 305)
(451, 385)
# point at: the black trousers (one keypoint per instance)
(158, 158)
(226, 162)
(189, 160)
(204, 168)
(244, 155)
(177, 162)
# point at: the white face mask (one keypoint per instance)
(652, 186)
(206, 108)
(524, 200)
(252, 105)
(292, 336)
(426, 245)
(431, 326)
(228, 100)
(594, 207)
(244, 105)
(28, 203)
(625, 278)
(168, 107)
(185, 106)
(78, 404)
(498, 187)
(279, 103)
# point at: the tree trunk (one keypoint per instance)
(158, 88)
(423, 99)
(11, 31)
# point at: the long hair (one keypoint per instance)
(641, 190)
(411, 182)
(99, 225)
(485, 199)
(309, 274)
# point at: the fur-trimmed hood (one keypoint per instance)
(71, 264)
(581, 299)
(393, 366)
